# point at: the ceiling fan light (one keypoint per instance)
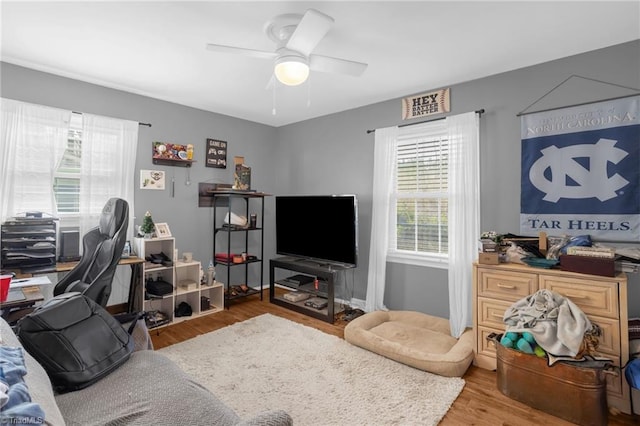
(291, 70)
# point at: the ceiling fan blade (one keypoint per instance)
(336, 65)
(312, 28)
(241, 51)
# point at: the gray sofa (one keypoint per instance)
(148, 389)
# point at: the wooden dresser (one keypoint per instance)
(602, 299)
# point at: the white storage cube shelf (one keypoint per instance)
(185, 273)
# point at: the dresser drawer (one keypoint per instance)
(609, 342)
(491, 312)
(593, 297)
(511, 286)
(484, 346)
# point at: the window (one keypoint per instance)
(419, 198)
(425, 206)
(64, 164)
(66, 180)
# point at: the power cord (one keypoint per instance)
(347, 294)
(350, 313)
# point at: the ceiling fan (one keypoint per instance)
(296, 36)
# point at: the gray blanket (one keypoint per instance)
(149, 389)
(557, 324)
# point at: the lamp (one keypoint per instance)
(291, 70)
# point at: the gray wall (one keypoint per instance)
(334, 154)
(190, 225)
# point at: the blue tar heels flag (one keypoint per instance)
(581, 171)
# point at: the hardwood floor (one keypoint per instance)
(480, 402)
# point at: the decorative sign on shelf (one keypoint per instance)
(426, 104)
(216, 154)
(241, 175)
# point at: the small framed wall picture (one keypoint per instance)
(162, 230)
(152, 179)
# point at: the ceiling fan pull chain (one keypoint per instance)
(309, 92)
(273, 109)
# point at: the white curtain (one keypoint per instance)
(464, 215)
(107, 168)
(383, 166)
(26, 174)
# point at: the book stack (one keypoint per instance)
(296, 296)
(628, 259)
(225, 257)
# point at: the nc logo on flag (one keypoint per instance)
(570, 179)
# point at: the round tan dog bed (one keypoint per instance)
(413, 338)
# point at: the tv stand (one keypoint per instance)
(327, 265)
(281, 268)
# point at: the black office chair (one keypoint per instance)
(102, 249)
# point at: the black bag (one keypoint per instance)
(76, 341)
(183, 310)
(128, 319)
(158, 287)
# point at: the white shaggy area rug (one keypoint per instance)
(269, 362)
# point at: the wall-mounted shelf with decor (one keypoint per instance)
(172, 154)
(170, 162)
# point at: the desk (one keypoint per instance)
(22, 307)
(67, 266)
(136, 277)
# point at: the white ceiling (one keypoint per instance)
(157, 49)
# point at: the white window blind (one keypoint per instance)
(420, 196)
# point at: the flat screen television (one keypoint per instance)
(322, 228)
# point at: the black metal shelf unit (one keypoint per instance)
(29, 244)
(224, 233)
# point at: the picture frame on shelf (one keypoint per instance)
(162, 230)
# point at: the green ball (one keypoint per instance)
(539, 352)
